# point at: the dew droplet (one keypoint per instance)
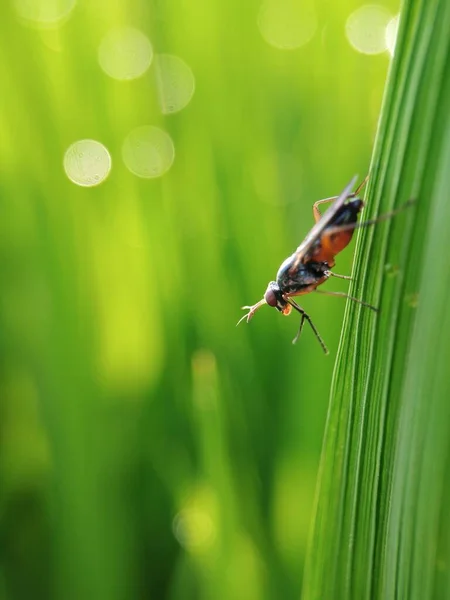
(391, 270)
(412, 299)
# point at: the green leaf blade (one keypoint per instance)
(379, 516)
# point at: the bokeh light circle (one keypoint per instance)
(366, 29)
(52, 38)
(87, 163)
(148, 151)
(43, 13)
(391, 34)
(194, 529)
(287, 24)
(125, 53)
(175, 83)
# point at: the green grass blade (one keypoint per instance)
(381, 529)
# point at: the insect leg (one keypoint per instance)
(302, 320)
(306, 317)
(344, 295)
(316, 212)
(332, 274)
(361, 185)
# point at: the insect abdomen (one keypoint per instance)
(332, 243)
(348, 213)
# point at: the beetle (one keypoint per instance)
(311, 263)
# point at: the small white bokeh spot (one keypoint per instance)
(391, 34)
(125, 53)
(287, 24)
(87, 163)
(175, 83)
(366, 29)
(148, 151)
(42, 14)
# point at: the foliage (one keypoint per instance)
(381, 528)
(149, 449)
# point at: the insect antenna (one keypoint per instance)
(344, 295)
(306, 317)
(251, 311)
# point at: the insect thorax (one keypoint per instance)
(303, 276)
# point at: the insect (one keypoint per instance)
(311, 264)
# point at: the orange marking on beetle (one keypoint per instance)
(330, 246)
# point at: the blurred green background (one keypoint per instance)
(148, 448)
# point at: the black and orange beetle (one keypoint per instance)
(311, 264)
